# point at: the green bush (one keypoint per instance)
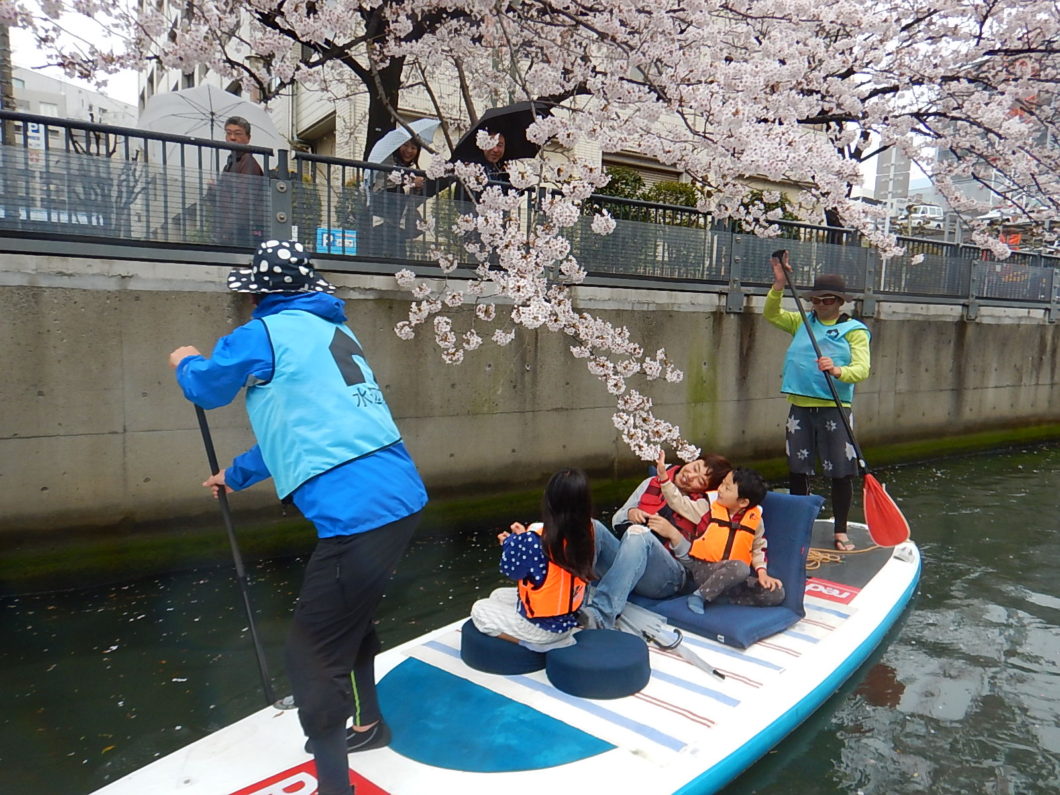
(679, 194)
(625, 183)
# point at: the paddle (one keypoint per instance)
(241, 575)
(887, 526)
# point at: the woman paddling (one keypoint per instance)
(815, 428)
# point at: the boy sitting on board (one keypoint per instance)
(729, 545)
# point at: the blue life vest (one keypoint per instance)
(322, 406)
(801, 374)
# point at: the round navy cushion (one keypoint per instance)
(496, 655)
(604, 663)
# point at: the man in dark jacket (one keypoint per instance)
(239, 191)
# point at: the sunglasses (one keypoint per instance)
(827, 301)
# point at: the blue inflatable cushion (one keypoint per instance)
(789, 525)
(496, 655)
(604, 663)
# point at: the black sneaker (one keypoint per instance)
(376, 737)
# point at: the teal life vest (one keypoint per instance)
(801, 374)
(322, 407)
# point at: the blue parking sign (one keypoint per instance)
(336, 241)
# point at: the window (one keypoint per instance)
(18, 83)
(188, 81)
(48, 109)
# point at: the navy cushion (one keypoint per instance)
(495, 655)
(604, 663)
(789, 525)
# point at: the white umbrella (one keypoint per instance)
(386, 146)
(201, 112)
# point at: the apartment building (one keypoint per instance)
(49, 96)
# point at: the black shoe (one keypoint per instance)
(376, 737)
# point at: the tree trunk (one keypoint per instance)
(383, 96)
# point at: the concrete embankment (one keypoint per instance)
(95, 432)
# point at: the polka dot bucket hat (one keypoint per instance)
(279, 266)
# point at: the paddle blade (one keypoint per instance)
(887, 525)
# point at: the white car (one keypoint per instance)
(924, 216)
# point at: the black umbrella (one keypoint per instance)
(510, 121)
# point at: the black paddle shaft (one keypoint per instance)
(241, 574)
(779, 255)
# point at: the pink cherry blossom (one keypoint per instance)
(784, 92)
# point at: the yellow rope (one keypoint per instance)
(817, 556)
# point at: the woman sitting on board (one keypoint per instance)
(552, 561)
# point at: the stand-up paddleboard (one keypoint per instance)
(459, 730)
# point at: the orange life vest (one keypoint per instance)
(725, 538)
(559, 594)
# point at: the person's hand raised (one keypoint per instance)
(779, 263)
(516, 529)
(660, 466)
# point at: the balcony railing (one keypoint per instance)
(69, 180)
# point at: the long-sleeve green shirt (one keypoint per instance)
(860, 359)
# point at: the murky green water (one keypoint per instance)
(964, 697)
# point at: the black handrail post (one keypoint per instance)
(975, 288)
(734, 295)
(281, 211)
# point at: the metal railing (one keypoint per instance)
(69, 180)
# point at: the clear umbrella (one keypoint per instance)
(388, 144)
(201, 112)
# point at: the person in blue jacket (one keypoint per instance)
(325, 436)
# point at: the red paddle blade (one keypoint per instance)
(887, 526)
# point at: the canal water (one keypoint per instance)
(963, 697)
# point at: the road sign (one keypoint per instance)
(336, 241)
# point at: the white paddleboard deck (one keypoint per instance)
(455, 728)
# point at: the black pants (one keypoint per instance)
(332, 644)
(842, 496)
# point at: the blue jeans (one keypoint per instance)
(639, 563)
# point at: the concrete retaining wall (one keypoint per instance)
(95, 432)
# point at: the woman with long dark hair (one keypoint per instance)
(552, 561)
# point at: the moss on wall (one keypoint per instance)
(80, 558)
